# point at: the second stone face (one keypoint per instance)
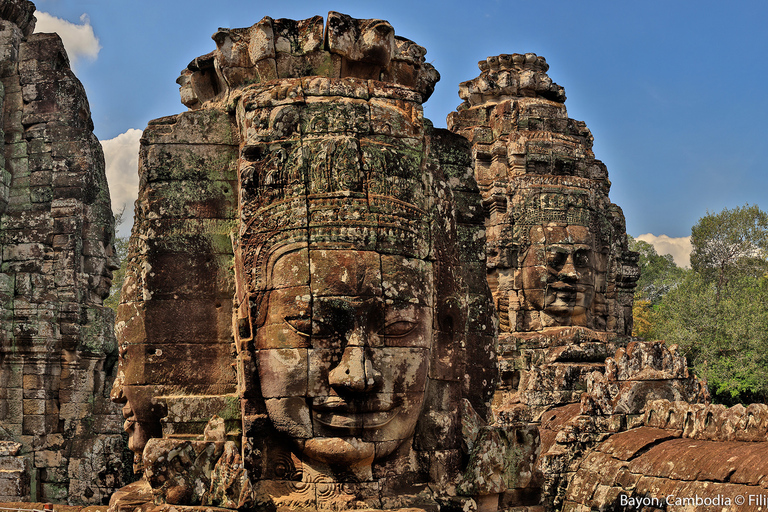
(556, 244)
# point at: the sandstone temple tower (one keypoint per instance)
(304, 220)
(61, 438)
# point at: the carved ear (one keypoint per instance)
(448, 314)
(244, 325)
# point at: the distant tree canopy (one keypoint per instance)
(118, 276)
(658, 273)
(717, 311)
(730, 244)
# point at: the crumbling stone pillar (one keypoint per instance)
(62, 435)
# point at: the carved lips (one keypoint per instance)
(335, 412)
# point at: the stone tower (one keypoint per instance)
(559, 268)
(558, 264)
(61, 438)
(311, 227)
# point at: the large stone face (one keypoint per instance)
(57, 346)
(305, 183)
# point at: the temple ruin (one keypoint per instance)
(61, 438)
(332, 305)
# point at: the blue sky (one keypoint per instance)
(673, 91)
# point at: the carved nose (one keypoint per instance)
(355, 372)
(116, 394)
(568, 271)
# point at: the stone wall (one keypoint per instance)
(616, 400)
(685, 457)
(62, 437)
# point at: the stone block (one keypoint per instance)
(198, 163)
(14, 429)
(35, 406)
(23, 252)
(194, 127)
(152, 319)
(14, 485)
(10, 464)
(179, 472)
(55, 491)
(39, 425)
(9, 449)
(49, 459)
(179, 364)
(108, 423)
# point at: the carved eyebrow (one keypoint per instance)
(307, 327)
(403, 310)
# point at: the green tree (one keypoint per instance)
(729, 244)
(658, 273)
(718, 313)
(118, 276)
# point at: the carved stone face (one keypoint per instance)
(141, 421)
(343, 344)
(142, 416)
(140, 411)
(102, 269)
(558, 274)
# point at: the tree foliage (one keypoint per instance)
(718, 313)
(658, 273)
(118, 276)
(729, 244)
(643, 318)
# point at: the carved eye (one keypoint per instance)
(581, 259)
(397, 329)
(557, 259)
(305, 326)
(301, 324)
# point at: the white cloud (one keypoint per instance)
(121, 156)
(679, 248)
(79, 39)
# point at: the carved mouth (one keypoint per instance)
(335, 412)
(355, 421)
(130, 418)
(564, 294)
